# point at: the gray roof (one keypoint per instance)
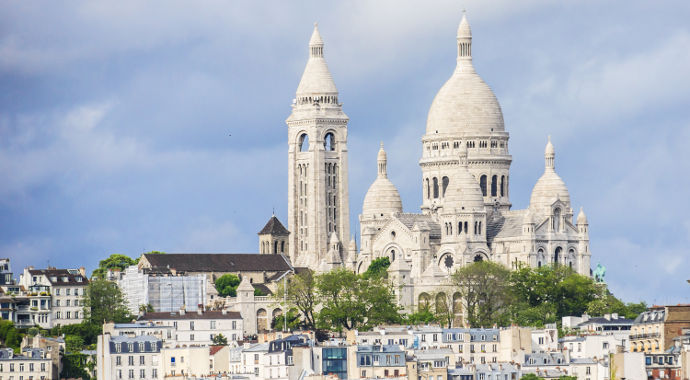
(409, 220)
(544, 359)
(651, 316)
(604, 321)
(274, 227)
(379, 348)
(507, 225)
(259, 347)
(219, 262)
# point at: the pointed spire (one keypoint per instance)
(581, 217)
(316, 42)
(549, 155)
(382, 161)
(316, 85)
(464, 38)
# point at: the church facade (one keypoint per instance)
(466, 213)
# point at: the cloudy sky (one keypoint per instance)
(134, 126)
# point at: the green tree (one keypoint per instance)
(103, 302)
(350, 301)
(9, 335)
(546, 294)
(378, 268)
(301, 295)
(147, 308)
(227, 284)
(74, 343)
(74, 367)
(484, 288)
(259, 293)
(220, 340)
(293, 321)
(114, 261)
(531, 376)
(422, 316)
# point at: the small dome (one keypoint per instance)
(465, 103)
(382, 196)
(581, 217)
(548, 189)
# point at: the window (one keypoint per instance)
(118, 359)
(494, 186)
(142, 373)
(191, 325)
(142, 360)
(191, 337)
(131, 373)
(154, 373)
(444, 181)
(67, 292)
(304, 143)
(482, 184)
(118, 347)
(213, 324)
(435, 180)
(130, 360)
(588, 370)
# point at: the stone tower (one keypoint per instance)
(465, 112)
(317, 164)
(273, 238)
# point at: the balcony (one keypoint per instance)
(645, 336)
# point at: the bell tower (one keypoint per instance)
(318, 204)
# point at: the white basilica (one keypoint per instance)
(466, 212)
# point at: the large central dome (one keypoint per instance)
(465, 103)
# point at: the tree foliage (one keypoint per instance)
(227, 284)
(104, 302)
(484, 288)
(293, 321)
(377, 268)
(114, 261)
(351, 302)
(9, 335)
(220, 340)
(74, 366)
(74, 343)
(301, 295)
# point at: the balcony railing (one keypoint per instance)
(645, 336)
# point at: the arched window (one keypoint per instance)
(435, 180)
(444, 180)
(275, 247)
(459, 228)
(478, 258)
(466, 229)
(479, 229)
(557, 255)
(428, 189)
(392, 255)
(282, 246)
(482, 184)
(494, 185)
(557, 219)
(329, 142)
(304, 143)
(503, 185)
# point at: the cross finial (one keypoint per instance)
(316, 24)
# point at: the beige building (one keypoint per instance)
(33, 363)
(654, 330)
(66, 289)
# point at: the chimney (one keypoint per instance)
(182, 311)
(607, 317)
(224, 312)
(82, 270)
(199, 311)
(614, 315)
